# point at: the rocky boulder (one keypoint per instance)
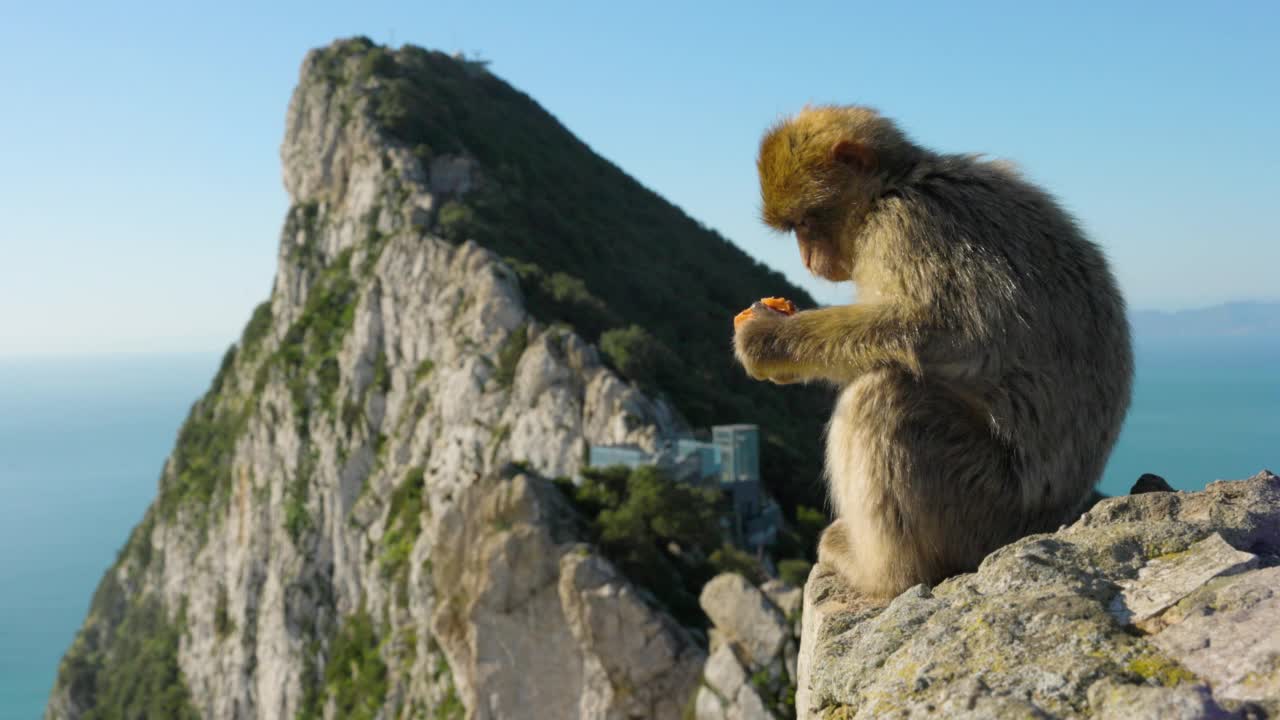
(537, 625)
(752, 669)
(1159, 605)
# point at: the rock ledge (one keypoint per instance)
(1159, 605)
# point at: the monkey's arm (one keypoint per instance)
(835, 343)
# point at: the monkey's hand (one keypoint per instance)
(755, 344)
(835, 344)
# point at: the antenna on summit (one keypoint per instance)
(474, 64)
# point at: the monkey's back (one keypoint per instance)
(1032, 324)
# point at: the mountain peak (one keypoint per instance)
(463, 288)
(468, 157)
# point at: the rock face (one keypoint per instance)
(338, 532)
(1160, 605)
(544, 627)
(752, 669)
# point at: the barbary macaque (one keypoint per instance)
(985, 367)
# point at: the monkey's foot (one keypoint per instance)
(833, 547)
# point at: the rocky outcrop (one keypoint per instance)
(543, 627)
(1159, 605)
(338, 532)
(752, 669)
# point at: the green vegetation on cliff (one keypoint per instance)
(404, 524)
(127, 668)
(200, 477)
(664, 536)
(310, 347)
(356, 674)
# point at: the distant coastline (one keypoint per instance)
(1255, 319)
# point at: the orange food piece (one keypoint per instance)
(782, 305)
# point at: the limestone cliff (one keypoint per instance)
(354, 521)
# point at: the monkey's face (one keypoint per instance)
(825, 230)
(798, 201)
(821, 250)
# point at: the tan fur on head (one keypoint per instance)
(800, 167)
(820, 172)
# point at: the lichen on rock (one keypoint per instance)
(1151, 605)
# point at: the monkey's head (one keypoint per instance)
(821, 172)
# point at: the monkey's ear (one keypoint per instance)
(854, 154)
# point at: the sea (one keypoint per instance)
(83, 439)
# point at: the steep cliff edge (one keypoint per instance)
(1162, 605)
(354, 520)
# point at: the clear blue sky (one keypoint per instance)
(140, 192)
